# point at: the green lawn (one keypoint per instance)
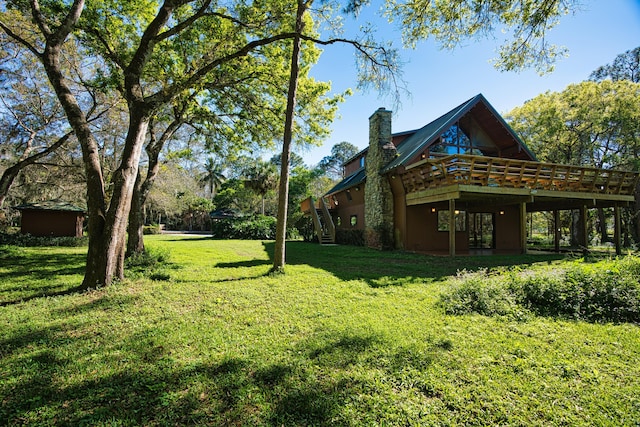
(349, 336)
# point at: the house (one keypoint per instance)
(463, 182)
(51, 218)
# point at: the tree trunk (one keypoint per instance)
(135, 240)
(141, 190)
(283, 191)
(105, 259)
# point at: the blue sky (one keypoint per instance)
(439, 79)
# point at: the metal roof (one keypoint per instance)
(358, 177)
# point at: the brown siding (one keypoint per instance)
(346, 208)
(51, 223)
(508, 228)
(423, 234)
(353, 165)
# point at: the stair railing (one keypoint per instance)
(331, 228)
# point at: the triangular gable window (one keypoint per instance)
(453, 141)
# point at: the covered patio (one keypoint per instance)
(509, 189)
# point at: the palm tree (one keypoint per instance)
(261, 177)
(212, 176)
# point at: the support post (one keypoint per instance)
(523, 227)
(557, 235)
(584, 229)
(617, 232)
(452, 227)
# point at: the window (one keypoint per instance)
(338, 221)
(349, 197)
(443, 220)
(354, 220)
(362, 161)
(454, 141)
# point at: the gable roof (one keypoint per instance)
(423, 137)
(417, 141)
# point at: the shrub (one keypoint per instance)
(249, 228)
(306, 229)
(350, 237)
(606, 291)
(151, 229)
(149, 258)
(26, 240)
(477, 293)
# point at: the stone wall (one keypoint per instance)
(378, 198)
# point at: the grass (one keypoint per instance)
(348, 336)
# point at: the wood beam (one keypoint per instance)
(523, 227)
(584, 229)
(557, 235)
(452, 227)
(617, 232)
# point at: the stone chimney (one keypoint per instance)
(378, 198)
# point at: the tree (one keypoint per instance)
(340, 153)
(283, 193)
(452, 22)
(590, 123)
(152, 56)
(261, 177)
(625, 66)
(33, 122)
(213, 176)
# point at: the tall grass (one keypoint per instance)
(348, 336)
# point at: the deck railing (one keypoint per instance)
(510, 173)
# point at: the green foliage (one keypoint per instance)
(149, 258)
(350, 237)
(625, 66)
(25, 240)
(476, 293)
(590, 123)
(451, 23)
(151, 263)
(257, 227)
(608, 291)
(151, 229)
(305, 228)
(340, 153)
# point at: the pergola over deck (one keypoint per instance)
(535, 186)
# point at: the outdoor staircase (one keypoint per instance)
(322, 222)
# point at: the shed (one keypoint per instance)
(51, 218)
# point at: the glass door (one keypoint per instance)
(481, 230)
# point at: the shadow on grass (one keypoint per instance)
(395, 268)
(311, 387)
(246, 263)
(37, 272)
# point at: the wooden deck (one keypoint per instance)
(517, 174)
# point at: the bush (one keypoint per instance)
(151, 229)
(607, 291)
(149, 258)
(306, 230)
(251, 228)
(350, 237)
(27, 240)
(476, 293)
